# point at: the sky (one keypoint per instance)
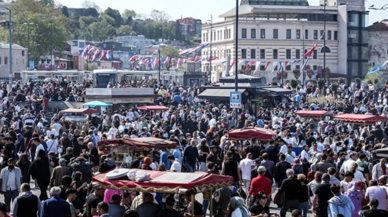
(199, 9)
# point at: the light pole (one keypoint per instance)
(28, 42)
(9, 25)
(210, 45)
(159, 67)
(52, 58)
(236, 58)
(384, 7)
(324, 43)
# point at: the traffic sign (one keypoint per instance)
(235, 99)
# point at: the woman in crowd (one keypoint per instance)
(24, 164)
(356, 197)
(40, 171)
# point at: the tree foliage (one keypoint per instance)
(170, 51)
(47, 22)
(321, 83)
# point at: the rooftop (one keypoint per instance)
(382, 26)
(14, 46)
(275, 2)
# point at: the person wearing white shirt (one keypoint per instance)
(52, 144)
(283, 146)
(39, 147)
(358, 176)
(175, 164)
(290, 140)
(112, 132)
(304, 154)
(348, 164)
(246, 167)
(212, 122)
(290, 155)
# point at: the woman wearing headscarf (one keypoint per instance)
(39, 171)
(24, 164)
(355, 196)
(236, 208)
(146, 164)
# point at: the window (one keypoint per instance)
(230, 34)
(244, 33)
(306, 34)
(225, 34)
(104, 45)
(315, 34)
(275, 54)
(23, 53)
(288, 33)
(262, 68)
(314, 68)
(253, 67)
(0, 60)
(203, 36)
(275, 33)
(322, 34)
(5, 60)
(253, 33)
(298, 34)
(315, 54)
(288, 53)
(262, 53)
(297, 66)
(243, 53)
(329, 35)
(262, 33)
(253, 53)
(288, 68)
(297, 54)
(81, 44)
(335, 35)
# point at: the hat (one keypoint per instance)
(261, 169)
(62, 161)
(325, 176)
(296, 161)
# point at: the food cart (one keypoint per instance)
(127, 146)
(360, 119)
(258, 133)
(168, 182)
(78, 116)
(317, 114)
(151, 108)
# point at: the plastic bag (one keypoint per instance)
(141, 175)
(132, 175)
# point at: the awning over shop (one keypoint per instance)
(277, 90)
(217, 93)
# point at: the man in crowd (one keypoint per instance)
(55, 206)
(10, 182)
(26, 204)
(292, 188)
(59, 172)
(322, 196)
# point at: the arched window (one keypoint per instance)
(325, 50)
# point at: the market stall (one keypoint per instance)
(168, 182)
(79, 111)
(153, 108)
(258, 133)
(127, 146)
(317, 114)
(360, 119)
(78, 116)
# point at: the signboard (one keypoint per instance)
(235, 99)
(32, 64)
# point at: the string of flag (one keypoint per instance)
(92, 53)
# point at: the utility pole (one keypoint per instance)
(324, 43)
(304, 53)
(159, 82)
(236, 58)
(10, 26)
(52, 58)
(28, 43)
(283, 74)
(211, 40)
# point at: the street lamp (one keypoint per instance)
(28, 42)
(236, 58)
(324, 43)
(211, 40)
(384, 7)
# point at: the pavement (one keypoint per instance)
(198, 197)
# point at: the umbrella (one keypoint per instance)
(97, 103)
(250, 133)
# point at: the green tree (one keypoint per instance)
(115, 14)
(89, 12)
(101, 30)
(376, 80)
(125, 30)
(159, 16)
(334, 87)
(293, 83)
(170, 51)
(48, 22)
(65, 11)
(369, 79)
(108, 19)
(358, 82)
(128, 13)
(321, 84)
(341, 80)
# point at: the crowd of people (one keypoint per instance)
(324, 167)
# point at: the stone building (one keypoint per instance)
(378, 46)
(19, 57)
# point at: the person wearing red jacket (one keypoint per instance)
(260, 183)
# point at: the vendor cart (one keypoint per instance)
(360, 119)
(317, 114)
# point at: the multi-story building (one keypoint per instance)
(190, 26)
(271, 31)
(378, 47)
(19, 59)
(135, 42)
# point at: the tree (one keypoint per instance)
(293, 83)
(376, 80)
(341, 80)
(65, 11)
(159, 16)
(101, 30)
(358, 82)
(90, 12)
(321, 84)
(369, 79)
(108, 19)
(334, 87)
(170, 51)
(91, 4)
(125, 30)
(128, 13)
(115, 14)
(296, 73)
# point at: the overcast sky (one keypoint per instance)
(200, 9)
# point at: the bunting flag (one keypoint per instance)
(146, 61)
(252, 63)
(134, 65)
(245, 64)
(274, 64)
(179, 62)
(286, 64)
(266, 66)
(86, 49)
(192, 50)
(96, 54)
(257, 67)
(167, 62)
(197, 58)
(191, 59)
(310, 52)
(231, 65)
(211, 58)
(296, 61)
(103, 53)
(132, 59)
(378, 68)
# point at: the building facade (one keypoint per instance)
(19, 59)
(190, 26)
(277, 31)
(378, 47)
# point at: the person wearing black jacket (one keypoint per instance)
(291, 188)
(40, 171)
(76, 144)
(281, 168)
(273, 152)
(92, 154)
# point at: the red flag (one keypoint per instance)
(266, 66)
(252, 63)
(234, 62)
(310, 52)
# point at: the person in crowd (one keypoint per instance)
(169, 211)
(260, 183)
(93, 200)
(321, 197)
(191, 156)
(345, 183)
(261, 206)
(246, 166)
(236, 208)
(103, 208)
(3, 210)
(24, 165)
(232, 168)
(175, 164)
(379, 169)
(40, 172)
(375, 191)
(10, 182)
(148, 208)
(59, 172)
(71, 196)
(372, 210)
(115, 209)
(281, 167)
(26, 204)
(339, 204)
(355, 196)
(292, 188)
(51, 207)
(303, 199)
